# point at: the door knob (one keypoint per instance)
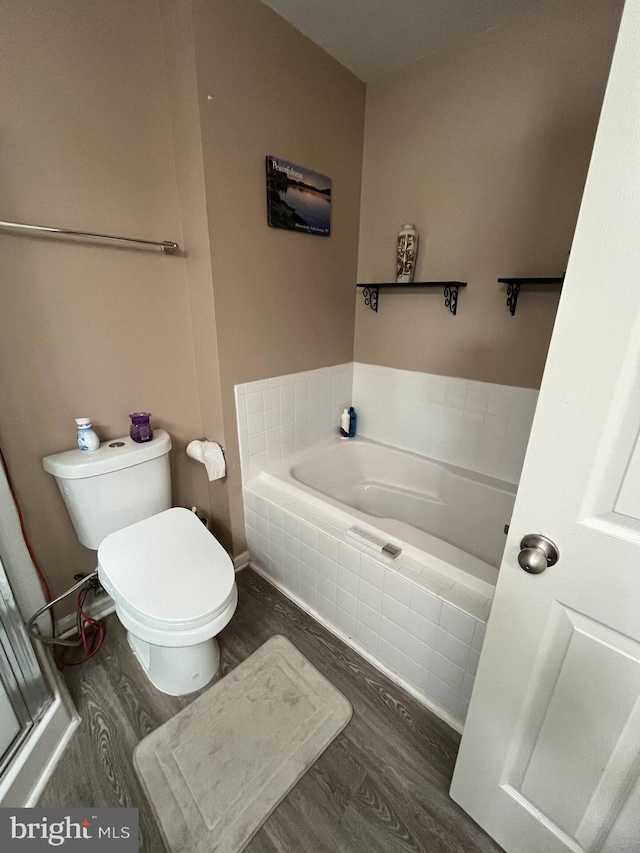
(537, 553)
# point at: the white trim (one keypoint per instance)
(393, 676)
(98, 609)
(32, 767)
(241, 561)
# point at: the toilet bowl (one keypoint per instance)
(174, 590)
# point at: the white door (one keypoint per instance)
(550, 757)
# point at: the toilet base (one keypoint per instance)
(180, 670)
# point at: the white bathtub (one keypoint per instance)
(455, 518)
(419, 617)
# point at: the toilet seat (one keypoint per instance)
(172, 582)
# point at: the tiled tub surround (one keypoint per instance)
(281, 417)
(419, 618)
(423, 629)
(476, 425)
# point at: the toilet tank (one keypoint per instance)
(120, 483)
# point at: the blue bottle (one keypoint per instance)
(352, 422)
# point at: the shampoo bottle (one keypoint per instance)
(352, 422)
(345, 423)
(88, 441)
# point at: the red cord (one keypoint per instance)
(91, 635)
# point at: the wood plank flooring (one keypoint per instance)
(381, 786)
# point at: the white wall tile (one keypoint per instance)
(447, 671)
(426, 605)
(472, 662)
(394, 610)
(422, 629)
(467, 685)
(418, 651)
(309, 594)
(345, 621)
(328, 568)
(392, 633)
(452, 648)
(370, 595)
(327, 588)
(388, 654)
(326, 607)
(443, 694)
(478, 636)
(328, 546)
(372, 572)
(366, 637)
(457, 623)
(414, 673)
(368, 617)
(304, 407)
(446, 418)
(349, 558)
(346, 601)
(309, 556)
(308, 535)
(397, 587)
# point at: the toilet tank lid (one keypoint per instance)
(112, 455)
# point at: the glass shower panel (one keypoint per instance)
(24, 694)
(10, 726)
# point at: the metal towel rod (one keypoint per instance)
(166, 246)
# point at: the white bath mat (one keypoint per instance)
(216, 771)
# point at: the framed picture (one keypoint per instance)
(297, 198)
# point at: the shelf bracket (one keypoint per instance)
(371, 297)
(451, 297)
(513, 289)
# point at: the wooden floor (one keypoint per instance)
(380, 786)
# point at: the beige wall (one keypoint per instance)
(486, 151)
(89, 329)
(185, 123)
(105, 127)
(153, 119)
(284, 300)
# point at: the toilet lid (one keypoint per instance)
(168, 568)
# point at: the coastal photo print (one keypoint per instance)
(297, 198)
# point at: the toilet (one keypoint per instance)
(172, 582)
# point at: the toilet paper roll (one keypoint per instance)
(211, 455)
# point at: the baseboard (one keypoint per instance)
(97, 609)
(241, 561)
(374, 661)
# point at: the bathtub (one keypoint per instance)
(419, 616)
(453, 518)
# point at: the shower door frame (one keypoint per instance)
(20, 672)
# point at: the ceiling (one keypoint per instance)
(372, 38)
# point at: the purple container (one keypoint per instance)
(140, 427)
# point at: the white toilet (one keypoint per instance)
(172, 582)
